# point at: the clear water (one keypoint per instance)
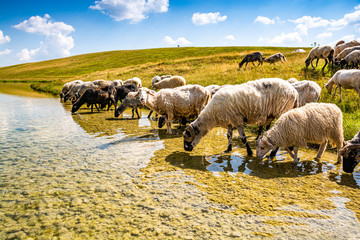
(90, 175)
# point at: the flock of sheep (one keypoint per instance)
(300, 118)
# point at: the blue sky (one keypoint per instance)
(42, 29)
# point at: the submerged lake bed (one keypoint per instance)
(91, 175)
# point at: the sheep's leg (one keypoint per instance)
(229, 137)
(246, 64)
(253, 64)
(259, 132)
(296, 159)
(338, 146)
(151, 111)
(132, 113)
(321, 149)
(273, 152)
(340, 93)
(290, 152)
(335, 91)
(92, 107)
(137, 113)
(326, 62)
(243, 139)
(97, 107)
(312, 63)
(168, 124)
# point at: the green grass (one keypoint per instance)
(201, 65)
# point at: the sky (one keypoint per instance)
(40, 30)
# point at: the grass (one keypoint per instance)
(200, 65)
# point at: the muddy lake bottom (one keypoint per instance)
(93, 176)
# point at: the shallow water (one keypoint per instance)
(90, 175)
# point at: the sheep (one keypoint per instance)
(315, 123)
(182, 101)
(134, 80)
(131, 100)
(173, 82)
(351, 153)
(83, 88)
(116, 82)
(341, 47)
(214, 88)
(100, 82)
(352, 59)
(339, 42)
(67, 86)
(309, 91)
(345, 52)
(275, 58)
(122, 91)
(348, 79)
(73, 90)
(158, 79)
(292, 80)
(252, 57)
(256, 102)
(94, 96)
(324, 52)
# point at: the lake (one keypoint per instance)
(91, 175)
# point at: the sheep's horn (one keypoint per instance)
(352, 146)
(192, 134)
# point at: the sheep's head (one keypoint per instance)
(161, 121)
(191, 137)
(307, 62)
(263, 146)
(75, 107)
(143, 94)
(329, 87)
(351, 156)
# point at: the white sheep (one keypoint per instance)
(177, 102)
(159, 78)
(315, 123)
(117, 82)
(352, 59)
(309, 91)
(134, 80)
(321, 52)
(253, 103)
(341, 47)
(173, 82)
(348, 79)
(339, 42)
(292, 80)
(275, 58)
(73, 90)
(345, 52)
(67, 86)
(100, 82)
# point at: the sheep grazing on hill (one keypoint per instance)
(252, 57)
(309, 91)
(159, 78)
(177, 102)
(315, 123)
(348, 79)
(352, 60)
(131, 100)
(122, 91)
(253, 103)
(341, 47)
(134, 80)
(173, 82)
(67, 86)
(344, 53)
(275, 58)
(321, 52)
(351, 153)
(92, 97)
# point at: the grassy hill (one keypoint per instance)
(201, 65)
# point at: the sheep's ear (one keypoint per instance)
(150, 92)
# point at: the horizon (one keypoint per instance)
(53, 30)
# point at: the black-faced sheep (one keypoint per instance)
(321, 52)
(122, 91)
(134, 80)
(344, 53)
(67, 86)
(275, 58)
(309, 91)
(131, 100)
(352, 60)
(315, 123)
(341, 47)
(252, 57)
(254, 103)
(348, 79)
(351, 153)
(84, 86)
(94, 96)
(177, 102)
(173, 82)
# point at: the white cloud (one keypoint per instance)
(57, 43)
(207, 18)
(264, 20)
(306, 22)
(133, 10)
(346, 38)
(5, 52)
(283, 38)
(348, 19)
(230, 37)
(324, 35)
(357, 7)
(180, 41)
(4, 39)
